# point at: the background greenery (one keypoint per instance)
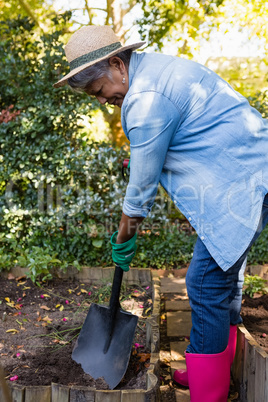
(61, 189)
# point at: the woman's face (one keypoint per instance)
(111, 89)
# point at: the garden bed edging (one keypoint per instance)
(250, 368)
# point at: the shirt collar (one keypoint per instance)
(135, 60)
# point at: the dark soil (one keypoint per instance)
(39, 327)
(255, 318)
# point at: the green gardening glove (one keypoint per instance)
(123, 253)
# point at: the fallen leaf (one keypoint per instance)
(136, 294)
(45, 308)
(58, 305)
(83, 291)
(12, 304)
(19, 278)
(46, 318)
(21, 283)
(61, 308)
(7, 299)
(45, 295)
(13, 331)
(144, 356)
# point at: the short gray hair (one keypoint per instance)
(82, 81)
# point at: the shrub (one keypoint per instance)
(60, 195)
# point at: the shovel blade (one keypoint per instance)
(89, 350)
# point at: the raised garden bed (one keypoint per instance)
(61, 392)
(250, 367)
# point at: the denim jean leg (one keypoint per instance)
(236, 276)
(215, 296)
(237, 271)
(208, 290)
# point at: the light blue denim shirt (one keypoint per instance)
(191, 132)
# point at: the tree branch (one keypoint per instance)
(25, 5)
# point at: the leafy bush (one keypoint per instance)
(60, 195)
(254, 284)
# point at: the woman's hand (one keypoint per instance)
(124, 241)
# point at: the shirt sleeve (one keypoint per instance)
(151, 120)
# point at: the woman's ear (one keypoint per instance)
(117, 63)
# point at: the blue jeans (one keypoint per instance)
(215, 296)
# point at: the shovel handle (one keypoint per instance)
(114, 304)
(117, 281)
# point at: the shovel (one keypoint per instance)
(104, 344)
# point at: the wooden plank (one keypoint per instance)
(133, 395)
(17, 393)
(38, 394)
(153, 391)
(249, 370)
(107, 396)
(60, 393)
(5, 394)
(238, 364)
(145, 277)
(261, 375)
(82, 394)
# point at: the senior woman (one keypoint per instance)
(201, 140)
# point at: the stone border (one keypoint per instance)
(250, 368)
(61, 393)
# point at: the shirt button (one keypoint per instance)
(189, 219)
(202, 238)
(175, 202)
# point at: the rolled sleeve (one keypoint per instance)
(151, 120)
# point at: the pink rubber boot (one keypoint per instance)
(208, 376)
(181, 376)
(232, 342)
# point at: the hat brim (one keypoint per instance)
(63, 81)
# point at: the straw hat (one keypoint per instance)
(88, 46)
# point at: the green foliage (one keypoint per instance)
(245, 74)
(40, 262)
(259, 252)
(169, 20)
(260, 102)
(61, 195)
(254, 284)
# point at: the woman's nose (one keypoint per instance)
(101, 99)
